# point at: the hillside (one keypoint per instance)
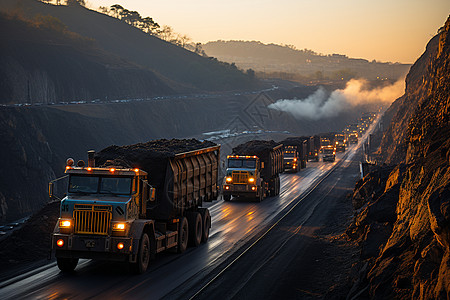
(269, 58)
(402, 211)
(42, 62)
(127, 42)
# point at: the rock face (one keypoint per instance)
(402, 218)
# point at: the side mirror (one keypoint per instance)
(50, 189)
(151, 196)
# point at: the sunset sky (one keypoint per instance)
(385, 30)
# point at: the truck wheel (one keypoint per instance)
(277, 185)
(226, 197)
(143, 257)
(195, 228)
(206, 220)
(183, 231)
(67, 265)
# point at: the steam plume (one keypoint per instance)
(319, 105)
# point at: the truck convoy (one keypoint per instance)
(144, 199)
(254, 170)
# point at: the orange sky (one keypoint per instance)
(385, 30)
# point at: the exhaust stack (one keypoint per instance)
(91, 159)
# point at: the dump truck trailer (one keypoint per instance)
(253, 170)
(144, 199)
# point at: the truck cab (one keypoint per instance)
(99, 215)
(353, 138)
(243, 177)
(290, 159)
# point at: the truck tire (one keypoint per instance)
(143, 256)
(67, 265)
(277, 185)
(195, 228)
(183, 232)
(206, 221)
(227, 197)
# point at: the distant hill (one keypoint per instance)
(115, 36)
(43, 62)
(271, 58)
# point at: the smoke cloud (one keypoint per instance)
(321, 104)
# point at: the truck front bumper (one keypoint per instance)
(246, 190)
(290, 167)
(92, 246)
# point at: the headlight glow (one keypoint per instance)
(64, 223)
(119, 226)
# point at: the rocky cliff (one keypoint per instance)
(402, 218)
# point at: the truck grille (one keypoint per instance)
(240, 177)
(92, 219)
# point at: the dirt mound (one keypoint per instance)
(32, 241)
(256, 147)
(151, 156)
(294, 141)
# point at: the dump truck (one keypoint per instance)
(329, 153)
(291, 159)
(301, 144)
(353, 138)
(315, 148)
(143, 199)
(253, 170)
(341, 142)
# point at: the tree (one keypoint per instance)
(76, 3)
(166, 33)
(251, 73)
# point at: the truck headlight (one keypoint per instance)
(65, 223)
(251, 180)
(119, 226)
(229, 179)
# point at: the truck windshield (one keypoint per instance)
(289, 153)
(100, 184)
(242, 163)
(328, 151)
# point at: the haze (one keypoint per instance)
(384, 30)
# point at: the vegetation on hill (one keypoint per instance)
(116, 36)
